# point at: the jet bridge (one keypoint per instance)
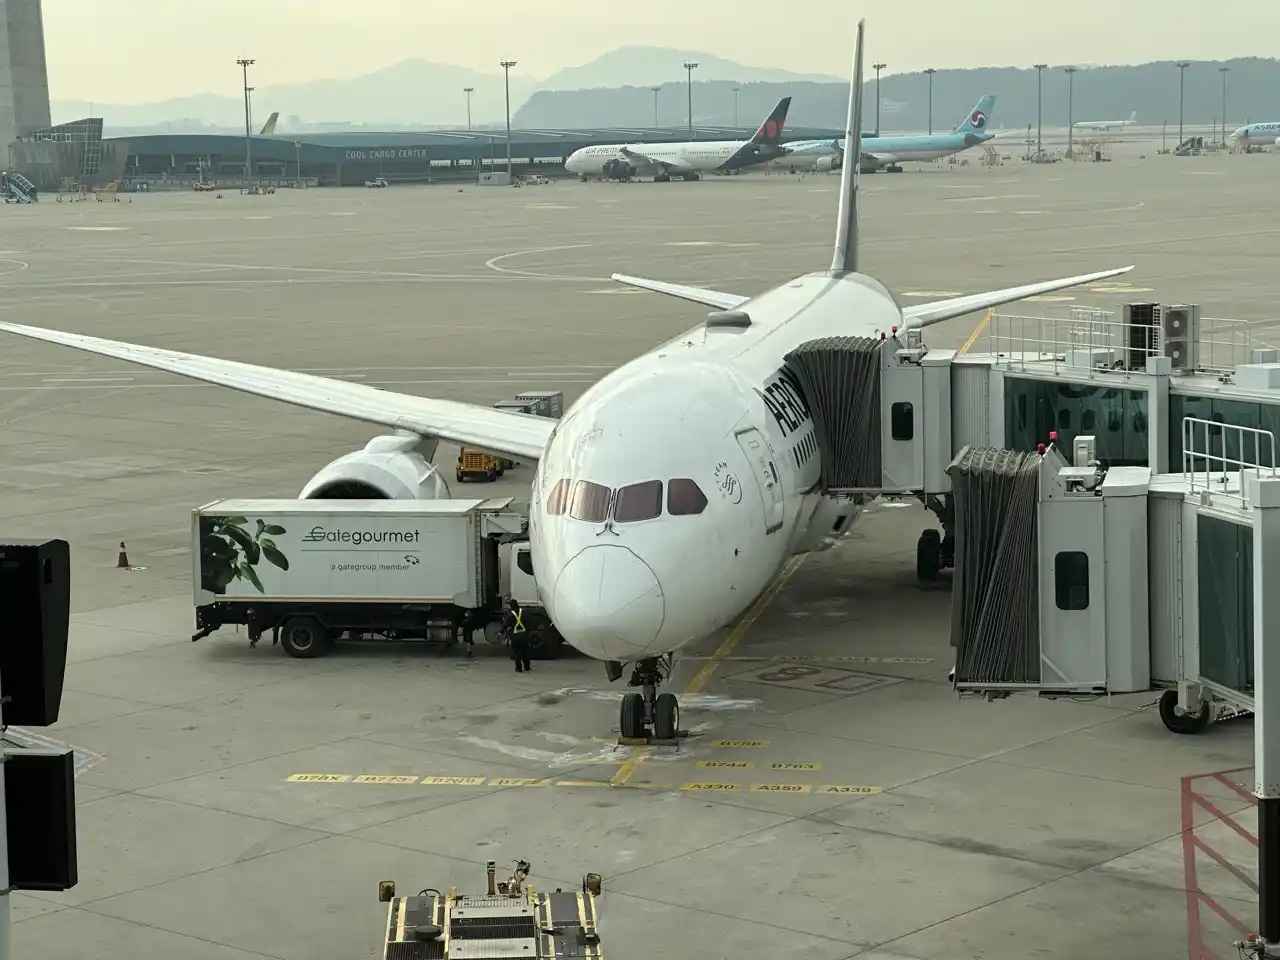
(882, 415)
(1077, 579)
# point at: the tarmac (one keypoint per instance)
(234, 803)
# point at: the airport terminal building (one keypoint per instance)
(77, 152)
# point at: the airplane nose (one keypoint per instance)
(608, 603)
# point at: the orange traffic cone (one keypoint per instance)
(122, 562)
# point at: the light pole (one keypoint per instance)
(1040, 68)
(930, 72)
(248, 148)
(249, 91)
(506, 81)
(1071, 108)
(689, 67)
(468, 91)
(878, 67)
(655, 105)
(1224, 71)
(735, 106)
(297, 161)
(1182, 73)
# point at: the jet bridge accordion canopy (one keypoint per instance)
(995, 605)
(840, 378)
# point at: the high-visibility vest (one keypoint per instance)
(519, 625)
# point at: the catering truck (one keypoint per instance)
(316, 571)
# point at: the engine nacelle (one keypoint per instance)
(618, 169)
(388, 468)
(827, 164)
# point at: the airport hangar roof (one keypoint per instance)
(433, 145)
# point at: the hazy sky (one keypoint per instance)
(141, 50)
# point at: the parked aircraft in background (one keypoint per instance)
(269, 128)
(688, 160)
(888, 153)
(672, 492)
(1104, 125)
(1262, 132)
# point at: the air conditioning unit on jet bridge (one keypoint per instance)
(882, 410)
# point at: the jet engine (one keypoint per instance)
(388, 468)
(827, 164)
(618, 169)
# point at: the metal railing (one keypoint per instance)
(1089, 339)
(1225, 344)
(1207, 461)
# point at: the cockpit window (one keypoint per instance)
(640, 501)
(558, 498)
(684, 498)
(590, 502)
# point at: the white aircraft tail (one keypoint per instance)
(845, 257)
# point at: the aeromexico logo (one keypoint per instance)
(785, 400)
(319, 534)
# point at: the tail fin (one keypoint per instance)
(1133, 116)
(845, 257)
(771, 130)
(979, 117)
(269, 127)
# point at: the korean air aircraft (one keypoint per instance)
(688, 160)
(1257, 133)
(670, 495)
(889, 153)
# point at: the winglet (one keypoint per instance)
(845, 257)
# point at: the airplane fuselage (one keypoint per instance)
(905, 149)
(692, 156)
(714, 406)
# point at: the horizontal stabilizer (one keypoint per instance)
(709, 298)
(483, 428)
(929, 313)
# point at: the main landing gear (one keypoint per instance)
(648, 715)
(936, 550)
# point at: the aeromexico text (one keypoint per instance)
(785, 400)
(358, 537)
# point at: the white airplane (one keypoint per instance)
(687, 160)
(1107, 124)
(671, 494)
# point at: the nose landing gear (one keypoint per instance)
(648, 715)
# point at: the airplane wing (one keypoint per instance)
(930, 313)
(709, 298)
(644, 158)
(521, 437)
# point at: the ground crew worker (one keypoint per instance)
(517, 636)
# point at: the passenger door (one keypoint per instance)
(760, 457)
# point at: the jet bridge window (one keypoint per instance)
(684, 498)
(558, 498)
(590, 502)
(639, 501)
(902, 421)
(1071, 580)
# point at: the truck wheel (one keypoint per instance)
(545, 643)
(304, 637)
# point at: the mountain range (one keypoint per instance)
(414, 93)
(616, 89)
(1095, 93)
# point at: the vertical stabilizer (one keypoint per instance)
(845, 259)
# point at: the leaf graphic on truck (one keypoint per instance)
(230, 549)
